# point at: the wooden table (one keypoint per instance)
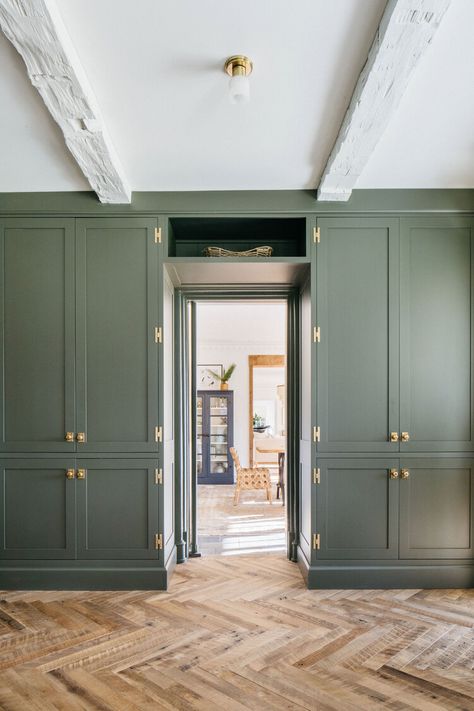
(281, 469)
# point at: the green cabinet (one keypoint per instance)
(37, 332)
(436, 508)
(357, 312)
(117, 355)
(356, 504)
(37, 502)
(437, 334)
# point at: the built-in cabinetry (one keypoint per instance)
(82, 431)
(394, 377)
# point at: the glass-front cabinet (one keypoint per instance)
(214, 436)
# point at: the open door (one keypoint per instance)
(305, 385)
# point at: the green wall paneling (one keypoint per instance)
(437, 508)
(37, 509)
(118, 509)
(37, 332)
(305, 418)
(357, 296)
(437, 334)
(117, 312)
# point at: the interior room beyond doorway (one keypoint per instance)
(245, 413)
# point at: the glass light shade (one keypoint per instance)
(239, 89)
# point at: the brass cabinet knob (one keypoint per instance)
(393, 474)
(404, 474)
(69, 436)
(393, 436)
(81, 437)
(70, 474)
(405, 436)
(81, 474)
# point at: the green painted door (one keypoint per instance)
(357, 509)
(358, 316)
(37, 502)
(117, 509)
(37, 332)
(305, 403)
(117, 354)
(436, 508)
(437, 327)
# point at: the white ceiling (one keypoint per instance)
(156, 70)
(241, 323)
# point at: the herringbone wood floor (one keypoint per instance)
(233, 634)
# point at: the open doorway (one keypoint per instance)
(239, 452)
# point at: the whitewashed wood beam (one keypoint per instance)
(405, 32)
(36, 30)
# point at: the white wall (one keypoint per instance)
(230, 332)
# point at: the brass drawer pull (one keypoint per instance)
(404, 474)
(405, 436)
(393, 474)
(81, 474)
(70, 474)
(69, 436)
(81, 437)
(393, 436)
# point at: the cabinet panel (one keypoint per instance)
(117, 311)
(37, 504)
(117, 509)
(437, 509)
(358, 354)
(357, 509)
(306, 384)
(37, 329)
(436, 393)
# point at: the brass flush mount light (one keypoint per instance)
(239, 68)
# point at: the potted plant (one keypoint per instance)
(225, 377)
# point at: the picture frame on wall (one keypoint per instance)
(204, 379)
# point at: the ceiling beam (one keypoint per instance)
(36, 30)
(405, 32)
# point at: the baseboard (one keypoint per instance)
(375, 577)
(84, 578)
(303, 564)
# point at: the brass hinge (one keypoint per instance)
(158, 541)
(157, 235)
(316, 434)
(158, 334)
(316, 541)
(316, 334)
(316, 235)
(316, 475)
(158, 434)
(158, 476)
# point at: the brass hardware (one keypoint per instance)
(405, 436)
(393, 474)
(81, 437)
(158, 434)
(316, 235)
(316, 334)
(157, 235)
(158, 476)
(316, 541)
(158, 335)
(158, 541)
(238, 65)
(393, 436)
(316, 434)
(404, 474)
(70, 474)
(69, 436)
(316, 475)
(81, 474)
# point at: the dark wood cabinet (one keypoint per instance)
(214, 436)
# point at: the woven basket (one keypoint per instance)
(221, 252)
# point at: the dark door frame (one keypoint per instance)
(185, 387)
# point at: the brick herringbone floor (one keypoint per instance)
(236, 633)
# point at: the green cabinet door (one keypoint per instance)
(117, 356)
(437, 341)
(436, 508)
(37, 508)
(356, 509)
(37, 333)
(305, 404)
(358, 316)
(117, 509)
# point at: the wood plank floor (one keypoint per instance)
(253, 526)
(236, 633)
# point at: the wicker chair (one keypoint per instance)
(256, 478)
